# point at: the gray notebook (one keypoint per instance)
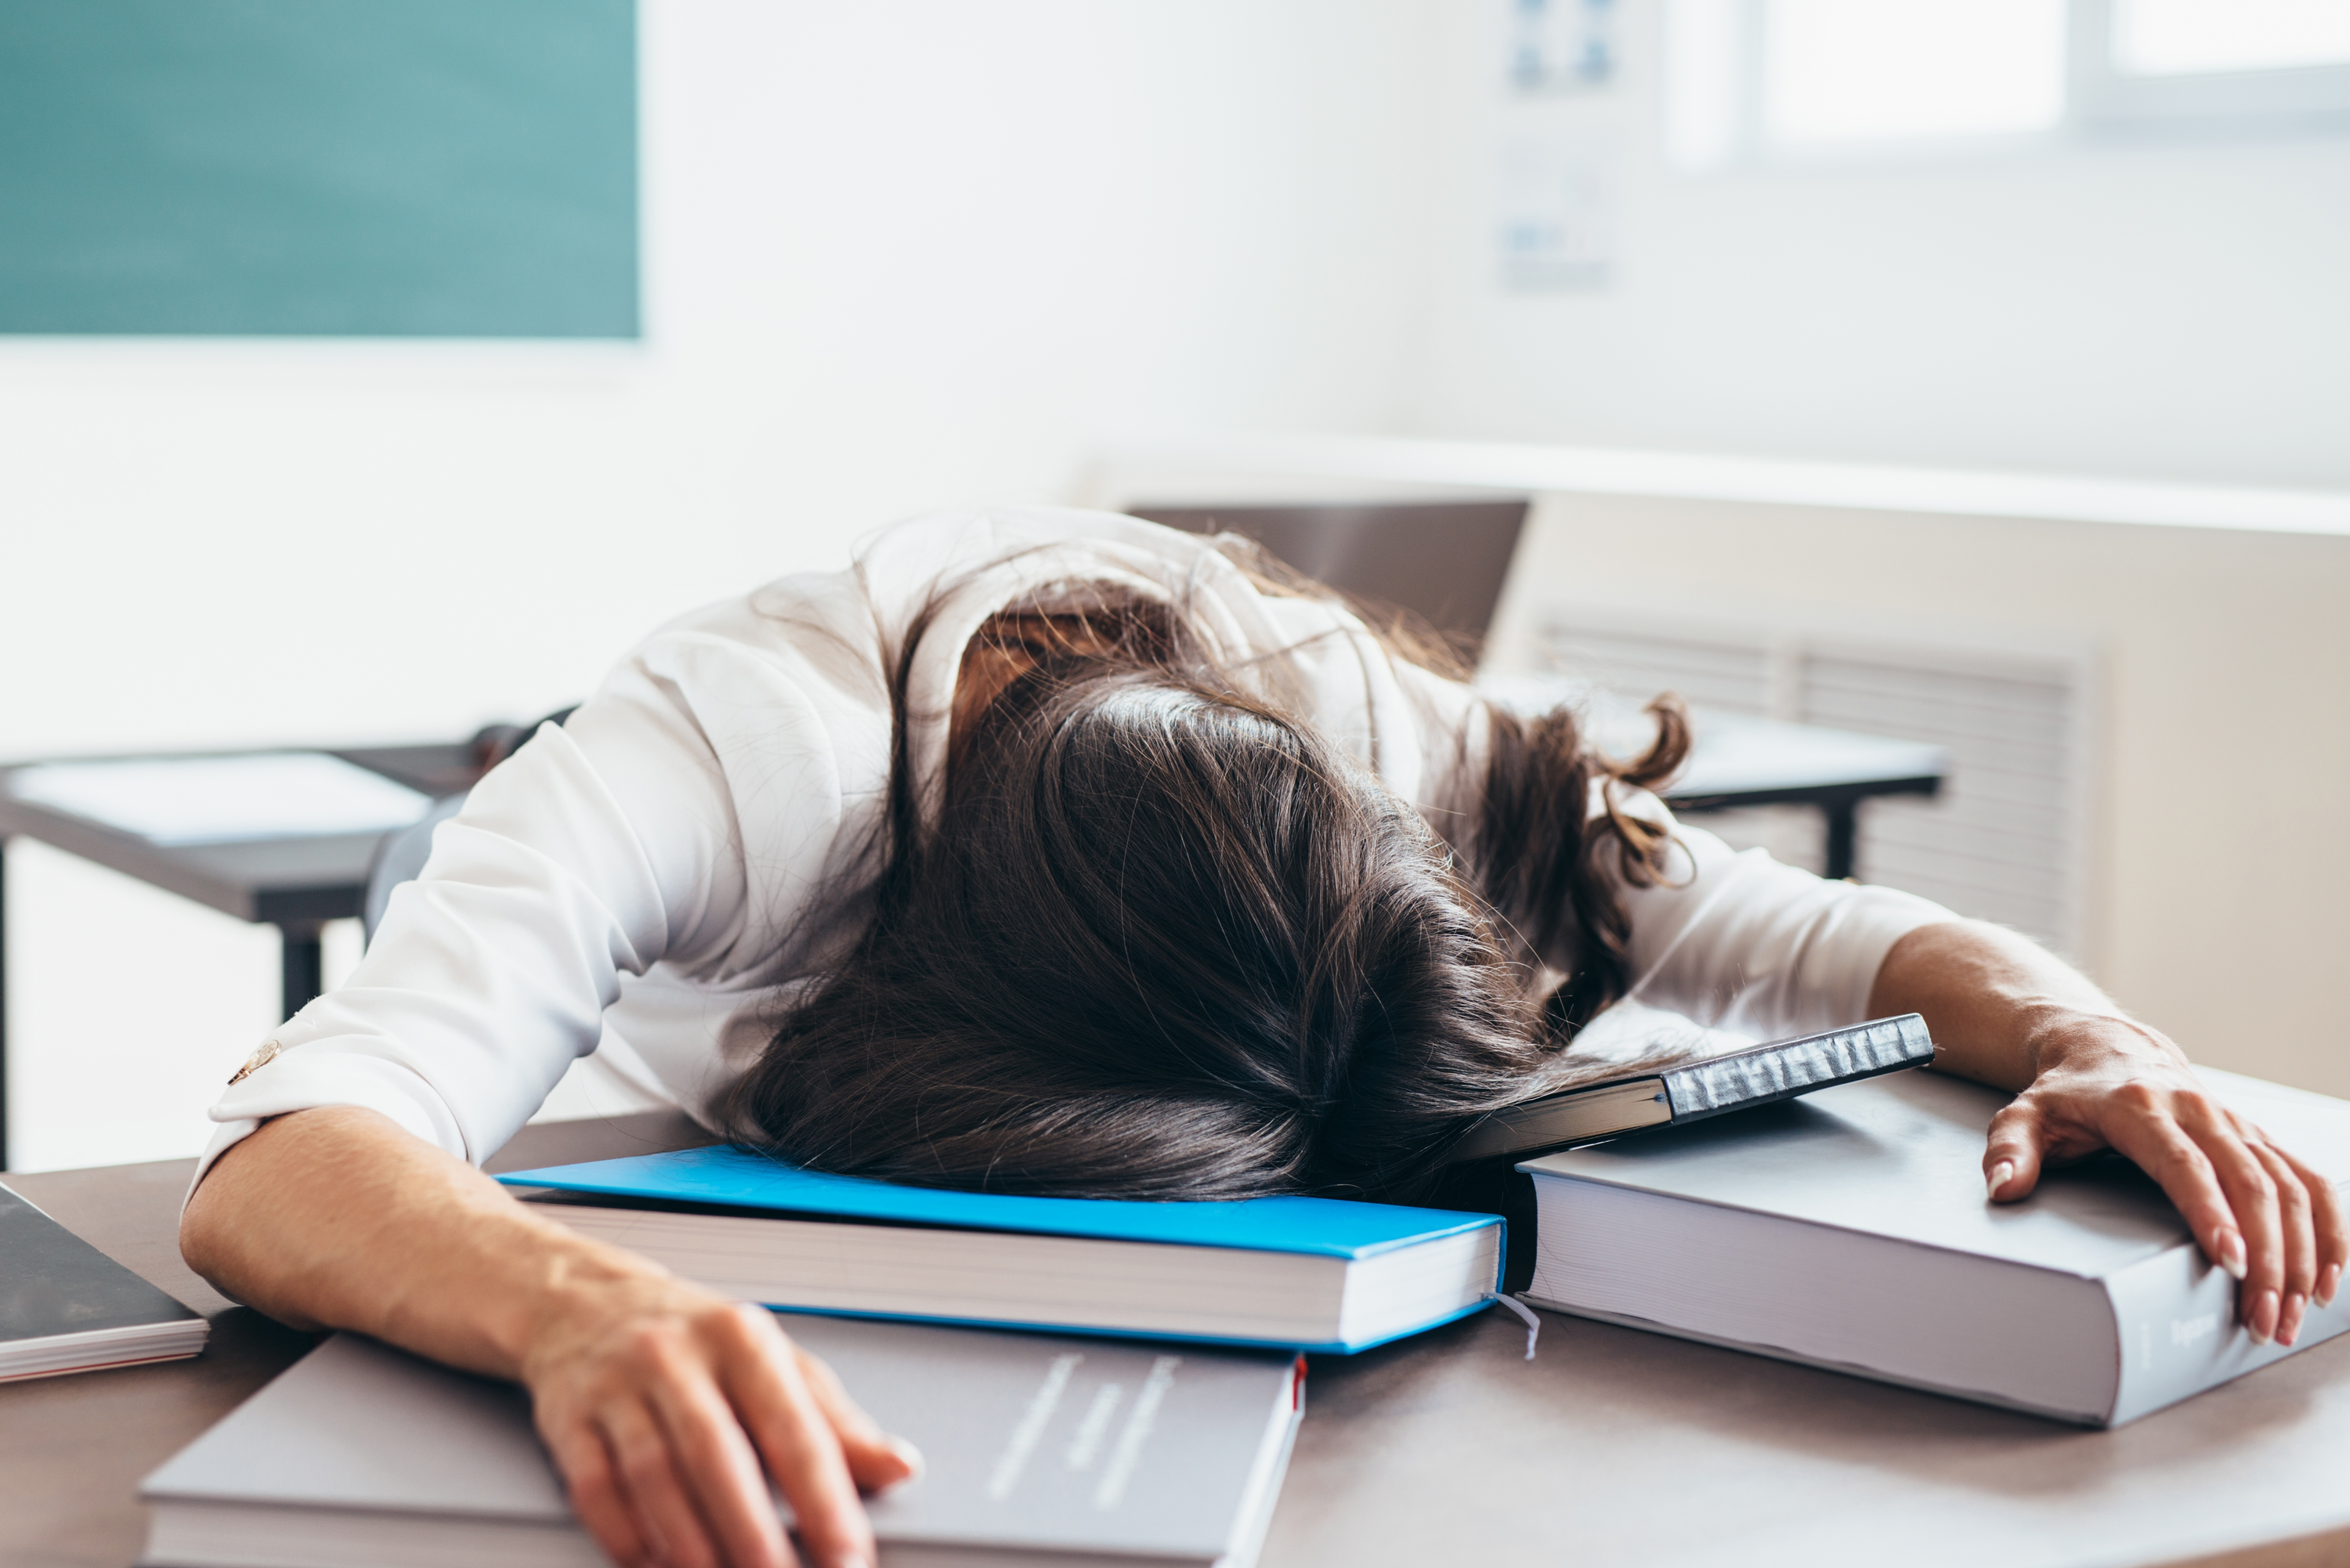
(1074, 1453)
(1849, 1230)
(64, 1306)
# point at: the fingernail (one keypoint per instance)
(2328, 1282)
(848, 1557)
(2229, 1253)
(2262, 1323)
(2288, 1320)
(1997, 1176)
(916, 1465)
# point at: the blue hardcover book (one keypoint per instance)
(1305, 1273)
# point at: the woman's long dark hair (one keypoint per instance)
(1166, 941)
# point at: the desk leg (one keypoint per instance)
(3, 1001)
(1844, 835)
(302, 967)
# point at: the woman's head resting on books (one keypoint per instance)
(1165, 941)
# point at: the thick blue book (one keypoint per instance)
(1305, 1273)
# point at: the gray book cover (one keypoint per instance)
(1850, 1230)
(65, 1306)
(1052, 1449)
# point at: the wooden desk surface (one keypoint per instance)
(1613, 1446)
(73, 1449)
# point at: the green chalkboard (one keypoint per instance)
(436, 168)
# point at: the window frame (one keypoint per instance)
(2101, 98)
(2101, 104)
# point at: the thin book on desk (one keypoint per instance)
(64, 1306)
(1696, 1090)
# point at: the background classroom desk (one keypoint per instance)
(297, 884)
(1613, 1447)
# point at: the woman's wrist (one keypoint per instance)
(577, 1288)
(2061, 1038)
(2002, 1011)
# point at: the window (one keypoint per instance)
(1867, 70)
(1788, 80)
(2185, 37)
(2210, 64)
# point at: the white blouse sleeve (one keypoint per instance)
(1736, 940)
(601, 847)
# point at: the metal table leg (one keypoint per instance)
(302, 969)
(3, 1001)
(1843, 839)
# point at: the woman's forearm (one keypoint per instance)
(336, 1219)
(1991, 998)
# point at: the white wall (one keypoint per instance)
(897, 257)
(2157, 310)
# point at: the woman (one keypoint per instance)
(1057, 852)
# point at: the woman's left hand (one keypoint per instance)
(2088, 1078)
(2257, 1211)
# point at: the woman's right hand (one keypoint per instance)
(667, 1408)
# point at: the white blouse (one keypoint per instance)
(634, 892)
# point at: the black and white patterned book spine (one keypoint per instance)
(1778, 1072)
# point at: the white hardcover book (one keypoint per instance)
(1850, 1230)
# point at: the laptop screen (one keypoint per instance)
(1443, 561)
